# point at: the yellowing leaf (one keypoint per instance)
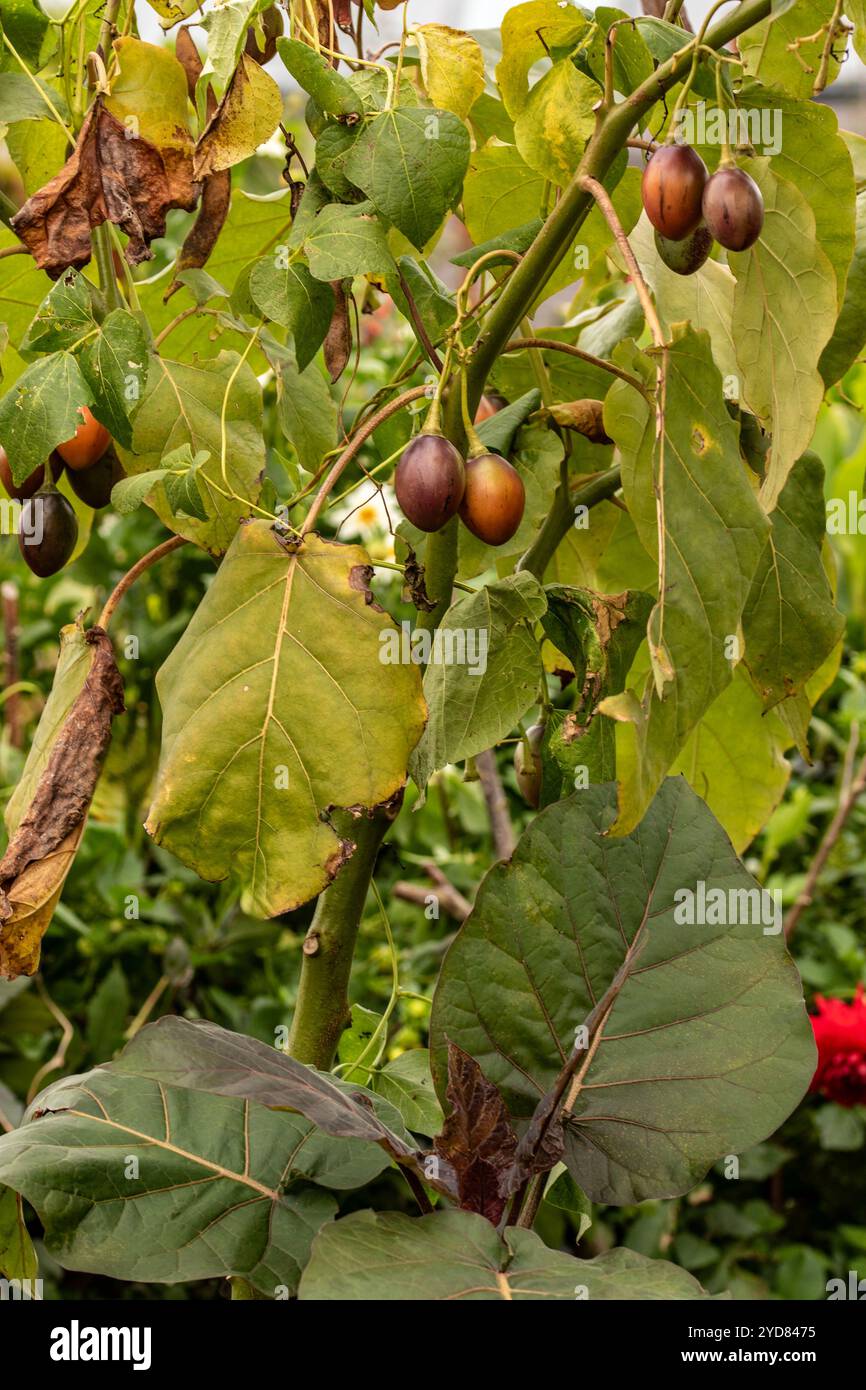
(149, 94)
(279, 707)
(528, 33)
(452, 66)
(247, 116)
(47, 813)
(557, 120)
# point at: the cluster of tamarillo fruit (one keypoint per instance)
(48, 528)
(691, 208)
(433, 482)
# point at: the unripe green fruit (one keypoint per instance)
(686, 256)
(527, 765)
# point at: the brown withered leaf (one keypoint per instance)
(478, 1141)
(415, 583)
(60, 775)
(216, 191)
(586, 417)
(337, 346)
(109, 177)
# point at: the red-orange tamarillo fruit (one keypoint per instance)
(671, 188)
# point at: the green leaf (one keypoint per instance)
(704, 299)
(849, 335)
(347, 241)
(452, 1256)
(114, 364)
(452, 67)
(664, 40)
(312, 71)
(218, 1186)
(632, 60)
(332, 150)
(406, 1082)
(482, 674)
(286, 292)
(599, 634)
(67, 314)
(784, 313)
(411, 162)
(227, 26)
(107, 1013)
(17, 1256)
(498, 431)
(706, 1046)
(246, 782)
(529, 32)
(41, 411)
(183, 404)
(790, 621)
(714, 532)
(557, 120)
(23, 98)
(182, 491)
(813, 156)
(765, 49)
(736, 733)
(307, 412)
(247, 116)
(205, 1057)
(501, 193)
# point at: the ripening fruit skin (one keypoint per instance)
(87, 445)
(686, 256)
(19, 491)
(528, 768)
(59, 532)
(429, 481)
(671, 188)
(733, 209)
(93, 485)
(493, 503)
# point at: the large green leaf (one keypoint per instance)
(812, 155)
(766, 51)
(114, 364)
(214, 407)
(714, 532)
(246, 778)
(705, 1046)
(849, 335)
(41, 411)
(483, 673)
(312, 71)
(139, 1180)
(307, 412)
(790, 621)
(286, 292)
(458, 1256)
(346, 241)
(784, 313)
(410, 162)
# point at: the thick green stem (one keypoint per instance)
(322, 1010)
(544, 255)
(560, 518)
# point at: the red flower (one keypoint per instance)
(840, 1034)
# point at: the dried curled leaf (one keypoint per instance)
(337, 346)
(216, 193)
(586, 417)
(478, 1141)
(109, 177)
(63, 769)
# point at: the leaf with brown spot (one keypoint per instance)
(47, 813)
(109, 177)
(478, 1141)
(247, 116)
